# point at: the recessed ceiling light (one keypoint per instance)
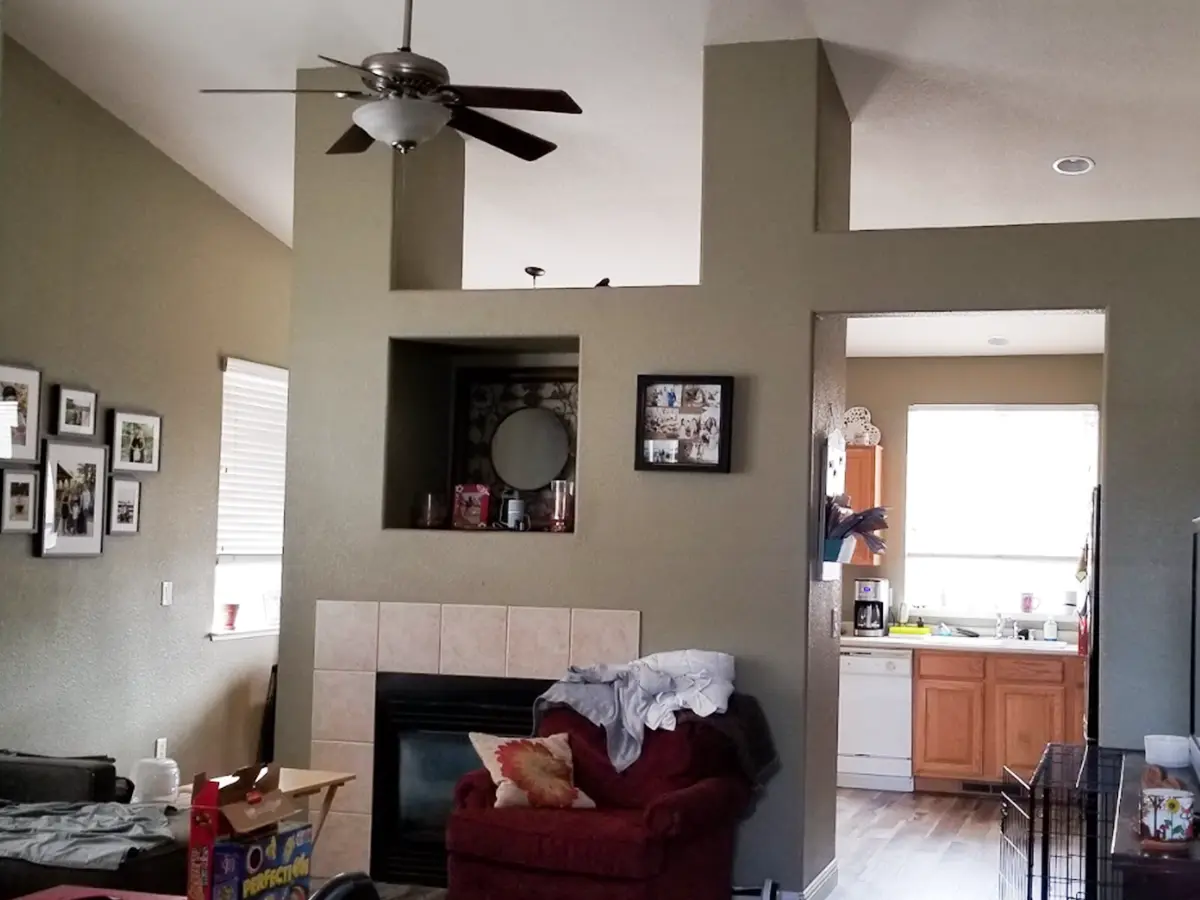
(1074, 165)
(998, 341)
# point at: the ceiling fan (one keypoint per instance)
(410, 99)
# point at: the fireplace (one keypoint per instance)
(421, 750)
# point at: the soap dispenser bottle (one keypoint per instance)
(1050, 630)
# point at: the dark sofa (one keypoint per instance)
(36, 779)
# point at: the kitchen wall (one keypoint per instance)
(121, 272)
(722, 561)
(888, 387)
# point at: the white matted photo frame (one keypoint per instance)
(75, 411)
(20, 412)
(73, 495)
(136, 441)
(684, 423)
(18, 501)
(124, 506)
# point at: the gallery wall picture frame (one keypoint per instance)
(136, 440)
(124, 506)
(74, 487)
(684, 423)
(20, 413)
(76, 410)
(18, 501)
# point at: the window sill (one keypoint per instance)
(216, 636)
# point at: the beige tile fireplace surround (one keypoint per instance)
(354, 640)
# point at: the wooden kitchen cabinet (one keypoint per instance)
(1023, 719)
(1076, 699)
(864, 487)
(976, 713)
(948, 728)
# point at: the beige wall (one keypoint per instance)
(888, 387)
(722, 561)
(120, 271)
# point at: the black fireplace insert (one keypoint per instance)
(421, 750)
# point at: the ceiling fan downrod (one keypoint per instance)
(408, 13)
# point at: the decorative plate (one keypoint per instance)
(856, 414)
(871, 435)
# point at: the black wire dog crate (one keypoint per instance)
(1056, 830)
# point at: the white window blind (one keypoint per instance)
(253, 460)
(998, 503)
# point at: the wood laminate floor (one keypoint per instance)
(917, 847)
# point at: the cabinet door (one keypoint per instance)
(864, 481)
(948, 729)
(1076, 702)
(1024, 719)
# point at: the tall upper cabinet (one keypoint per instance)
(864, 486)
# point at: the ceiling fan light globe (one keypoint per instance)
(402, 122)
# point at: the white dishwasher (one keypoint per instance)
(875, 720)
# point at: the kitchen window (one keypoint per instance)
(998, 503)
(249, 570)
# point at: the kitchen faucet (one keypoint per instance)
(1002, 622)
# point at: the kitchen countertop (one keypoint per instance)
(961, 644)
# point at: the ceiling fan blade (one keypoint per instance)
(354, 95)
(513, 98)
(356, 68)
(355, 140)
(501, 135)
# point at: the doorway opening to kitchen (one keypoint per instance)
(979, 433)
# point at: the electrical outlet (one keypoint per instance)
(168, 593)
(160, 748)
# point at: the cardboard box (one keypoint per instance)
(240, 847)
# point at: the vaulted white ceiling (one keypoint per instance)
(959, 108)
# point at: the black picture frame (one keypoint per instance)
(31, 449)
(67, 546)
(683, 442)
(8, 478)
(114, 528)
(57, 398)
(116, 419)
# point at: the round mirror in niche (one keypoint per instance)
(530, 448)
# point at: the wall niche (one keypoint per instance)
(503, 412)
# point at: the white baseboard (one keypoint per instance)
(823, 885)
(875, 782)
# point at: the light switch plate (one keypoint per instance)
(168, 593)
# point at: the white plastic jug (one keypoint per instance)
(155, 781)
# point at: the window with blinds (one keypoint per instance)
(250, 498)
(997, 504)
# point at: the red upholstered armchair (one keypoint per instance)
(662, 830)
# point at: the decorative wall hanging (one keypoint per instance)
(76, 410)
(18, 501)
(73, 489)
(20, 412)
(136, 442)
(684, 423)
(124, 506)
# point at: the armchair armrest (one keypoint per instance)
(475, 790)
(707, 804)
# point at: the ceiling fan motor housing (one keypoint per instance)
(402, 71)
